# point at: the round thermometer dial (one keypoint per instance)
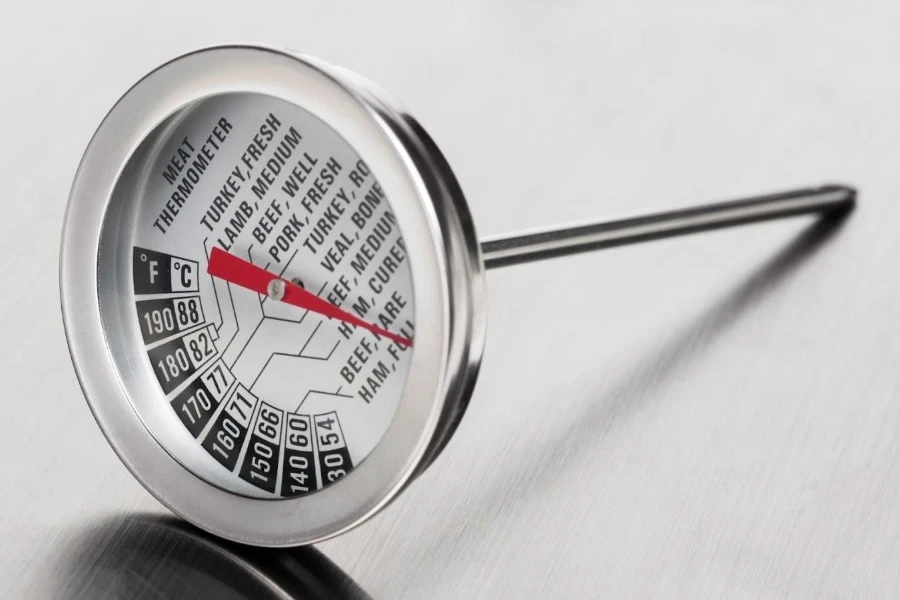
(255, 220)
(272, 293)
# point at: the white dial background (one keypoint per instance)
(272, 184)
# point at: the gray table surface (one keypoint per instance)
(712, 416)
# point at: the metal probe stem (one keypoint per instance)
(512, 249)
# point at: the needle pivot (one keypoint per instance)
(276, 289)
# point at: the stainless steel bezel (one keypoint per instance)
(447, 275)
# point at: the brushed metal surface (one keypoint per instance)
(711, 416)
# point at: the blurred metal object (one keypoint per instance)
(504, 250)
(145, 557)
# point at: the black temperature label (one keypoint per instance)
(226, 437)
(299, 470)
(167, 316)
(334, 459)
(158, 273)
(260, 465)
(175, 361)
(200, 399)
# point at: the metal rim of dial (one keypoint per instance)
(445, 261)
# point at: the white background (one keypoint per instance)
(702, 417)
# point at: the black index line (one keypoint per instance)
(311, 336)
(303, 349)
(288, 263)
(287, 355)
(335, 394)
(249, 340)
(286, 320)
(298, 355)
(237, 322)
(215, 291)
(250, 258)
(336, 344)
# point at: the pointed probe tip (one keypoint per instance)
(849, 192)
(845, 201)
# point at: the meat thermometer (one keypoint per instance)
(273, 292)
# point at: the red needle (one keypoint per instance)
(238, 271)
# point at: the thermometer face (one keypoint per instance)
(272, 400)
